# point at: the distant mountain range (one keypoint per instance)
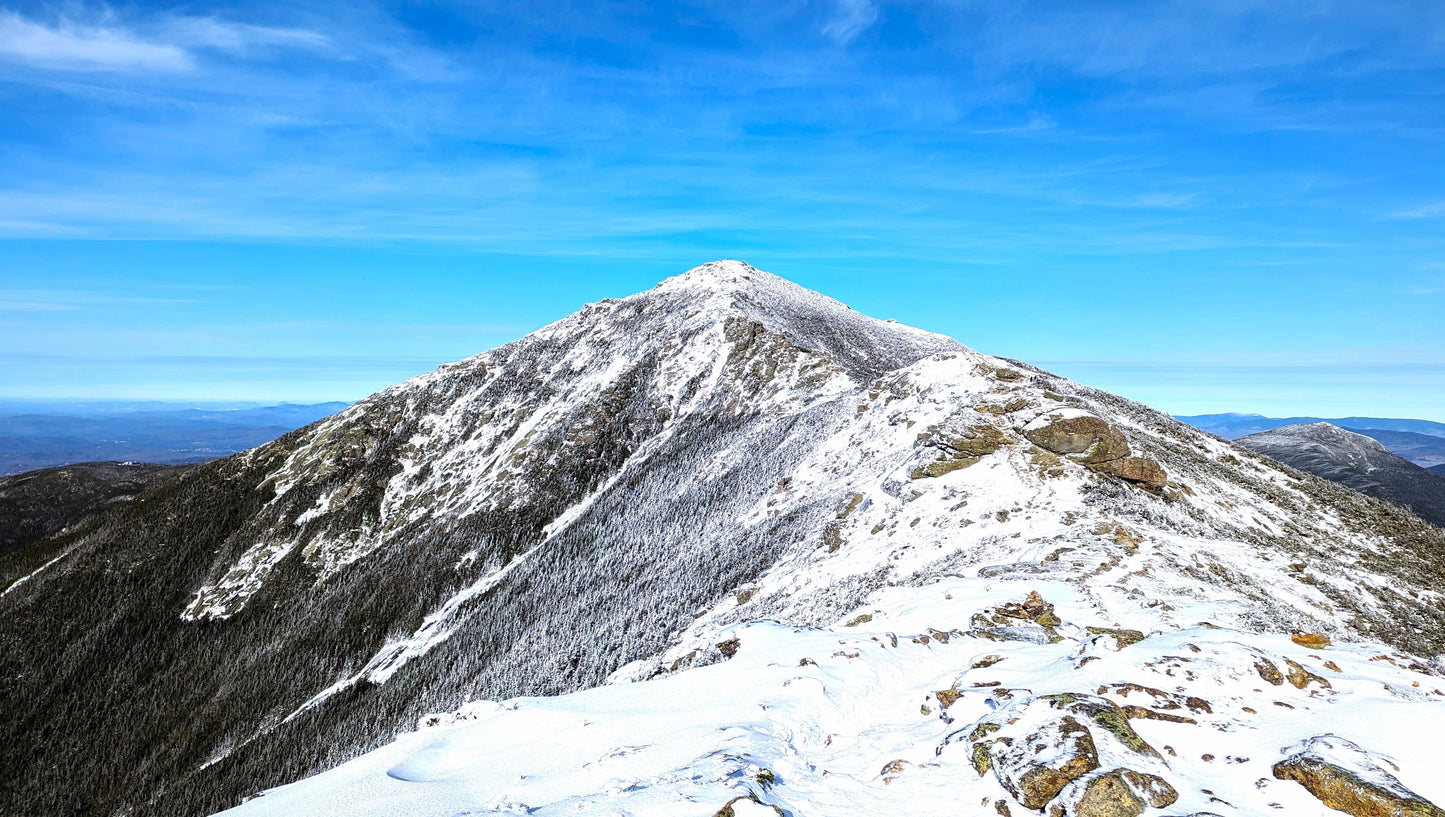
(1355, 460)
(36, 435)
(1419, 441)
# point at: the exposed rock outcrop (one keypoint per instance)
(1093, 442)
(1347, 778)
(1079, 435)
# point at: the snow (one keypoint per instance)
(1053, 415)
(435, 629)
(27, 577)
(825, 730)
(872, 608)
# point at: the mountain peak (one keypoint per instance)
(730, 474)
(724, 273)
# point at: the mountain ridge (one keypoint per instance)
(606, 499)
(1357, 461)
(1235, 424)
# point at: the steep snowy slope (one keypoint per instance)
(1355, 460)
(696, 489)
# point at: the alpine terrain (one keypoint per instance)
(728, 547)
(1355, 460)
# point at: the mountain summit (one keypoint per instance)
(1353, 459)
(767, 545)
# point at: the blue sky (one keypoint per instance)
(1208, 206)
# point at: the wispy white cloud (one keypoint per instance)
(851, 18)
(223, 35)
(7, 305)
(1432, 210)
(167, 44)
(47, 300)
(71, 46)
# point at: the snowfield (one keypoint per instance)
(994, 592)
(846, 721)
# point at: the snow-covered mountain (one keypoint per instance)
(1236, 425)
(750, 544)
(1356, 460)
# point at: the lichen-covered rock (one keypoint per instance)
(958, 450)
(892, 769)
(1301, 677)
(1040, 746)
(1347, 778)
(1079, 435)
(1155, 790)
(1039, 766)
(748, 806)
(1268, 671)
(1032, 619)
(1122, 638)
(1105, 795)
(1142, 470)
(1105, 714)
(1121, 792)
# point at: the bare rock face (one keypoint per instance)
(1078, 435)
(1091, 441)
(1046, 752)
(747, 807)
(1155, 790)
(1347, 778)
(1107, 795)
(1142, 470)
(1037, 768)
(1117, 793)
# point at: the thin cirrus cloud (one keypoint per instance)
(71, 46)
(1225, 170)
(852, 18)
(169, 45)
(1433, 210)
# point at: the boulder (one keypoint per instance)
(1016, 620)
(1117, 793)
(748, 806)
(958, 450)
(1045, 751)
(1155, 790)
(1301, 677)
(1104, 714)
(1346, 778)
(1035, 769)
(1107, 795)
(1142, 470)
(1079, 435)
